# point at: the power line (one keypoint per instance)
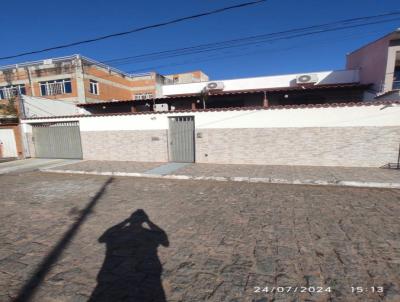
(228, 56)
(261, 42)
(246, 40)
(249, 38)
(266, 41)
(299, 33)
(178, 20)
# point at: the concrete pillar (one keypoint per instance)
(28, 71)
(79, 76)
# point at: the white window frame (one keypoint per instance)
(138, 96)
(94, 87)
(11, 91)
(52, 89)
(144, 96)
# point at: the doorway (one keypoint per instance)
(181, 139)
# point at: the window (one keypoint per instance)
(144, 96)
(396, 78)
(94, 87)
(7, 92)
(56, 87)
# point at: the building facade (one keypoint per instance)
(329, 118)
(187, 77)
(372, 73)
(379, 64)
(82, 80)
(340, 86)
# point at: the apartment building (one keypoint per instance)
(82, 80)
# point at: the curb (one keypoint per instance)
(340, 183)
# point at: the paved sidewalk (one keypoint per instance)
(110, 166)
(32, 164)
(342, 176)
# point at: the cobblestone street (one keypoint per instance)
(80, 237)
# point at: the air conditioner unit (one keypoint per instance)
(215, 86)
(160, 107)
(306, 79)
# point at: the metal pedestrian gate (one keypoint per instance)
(57, 140)
(181, 139)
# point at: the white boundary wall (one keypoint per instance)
(355, 116)
(333, 136)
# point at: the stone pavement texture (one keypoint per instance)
(374, 177)
(294, 172)
(67, 237)
(112, 166)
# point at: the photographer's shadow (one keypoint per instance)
(131, 270)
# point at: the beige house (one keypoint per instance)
(379, 64)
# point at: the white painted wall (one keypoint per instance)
(42, 107)
(357, 116)
(324, 78)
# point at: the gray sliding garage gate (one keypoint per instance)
(57, 140)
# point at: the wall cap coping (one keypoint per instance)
(258, 108)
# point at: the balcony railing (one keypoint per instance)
(55, 88)
(396, 85)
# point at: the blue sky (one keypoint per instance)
(31, 25)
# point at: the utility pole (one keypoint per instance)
(21, 114)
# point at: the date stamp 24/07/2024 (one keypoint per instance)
(314, 289)
(291, 289)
